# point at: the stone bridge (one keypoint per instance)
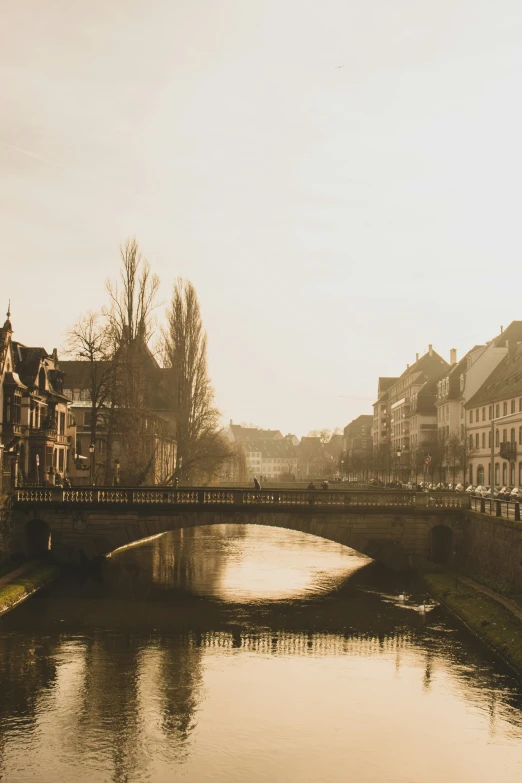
(399, 529)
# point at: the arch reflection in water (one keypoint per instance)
(239, 563)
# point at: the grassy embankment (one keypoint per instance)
(493, 623)
(22, 586)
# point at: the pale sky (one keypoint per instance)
(341, 180)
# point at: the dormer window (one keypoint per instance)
(41, 380)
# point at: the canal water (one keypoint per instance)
(249, 654)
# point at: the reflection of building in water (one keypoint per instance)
(194, 557)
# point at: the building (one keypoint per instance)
(357, 447)
(108, 458)
(267, 453)
(37, 429)
(458, 387)
(382, 415)
(494, 413)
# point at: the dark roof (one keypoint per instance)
(513, 332)
(252, 433)
(76, 374)
(272, 448)
(505, 381)
(27, 362)
(429, 364)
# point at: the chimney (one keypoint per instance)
(407, 366)
(430, 349)
(501, 329)
(453, 356)
(416, 357)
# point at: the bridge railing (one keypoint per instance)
(210, 497)
(507, 509)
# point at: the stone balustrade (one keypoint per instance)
(198, 497)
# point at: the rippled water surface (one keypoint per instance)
(235, 653)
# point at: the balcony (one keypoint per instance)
(508, 450)
(49, 433)
(12, 430)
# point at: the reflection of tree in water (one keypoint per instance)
(140, 695)
(26, 670)
(187, 560)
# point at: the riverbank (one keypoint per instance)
(488, 617)
(27, 578)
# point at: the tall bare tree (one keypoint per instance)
(130, 319)
(88, 341)
(201, 448)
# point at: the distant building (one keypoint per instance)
(268, 454)
(312, 459)
(357, 445)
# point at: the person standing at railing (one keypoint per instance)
(257, 485)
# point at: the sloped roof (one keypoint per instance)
(272, 448)
(505, 381)
(253, 434)
(27, 362)
(76, 374)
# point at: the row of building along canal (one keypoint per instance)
(245, 653)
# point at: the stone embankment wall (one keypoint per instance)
(493, 547)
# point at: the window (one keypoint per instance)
(61, 423)
(520, 437)
(497, 410)
(497, 438)
(504, 409)
(462, 410)
(512, 406)
(520, 474)
(483, 440)
(101, 446)
(520, 404)
(477, 441)
(480, 474)
(504, 473)
(489, 473)
(490, 412)
(513, 437)
(489, 439)
(483, 414)
(471, 417)
(497, 474)
(85, 394)
(512, 474)
(504, 436)
(471, 441)
(87, 418)
(68, 393)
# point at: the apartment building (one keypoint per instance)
(268, 454)
(494, 414)
(381, 414)
(410, 399)
(36, 427)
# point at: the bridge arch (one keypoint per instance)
(442, 544)
(37, 538)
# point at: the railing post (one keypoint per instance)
(482, 505)
(517, 512)
(498, 508)
(238, 497)
(201, 496)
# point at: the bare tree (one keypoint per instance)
(201, 447)
(438, 453)
(88, 341)
(453, 454)
(324, 435)
(466, 453)
(130, 319)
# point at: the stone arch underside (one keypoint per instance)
(398, 541)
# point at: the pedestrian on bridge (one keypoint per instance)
(257, 485)
(311, 485)
(324, 485)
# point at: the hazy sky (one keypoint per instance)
(341, 180)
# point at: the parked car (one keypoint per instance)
(504, 493)
(459, 488)
(471, 489)
(516, 494)
(485, 492)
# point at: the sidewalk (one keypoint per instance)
(7, 578)
(512, 606)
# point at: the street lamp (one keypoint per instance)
(116, 471)
(91, 464)
(399, 452)
(342, 469)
